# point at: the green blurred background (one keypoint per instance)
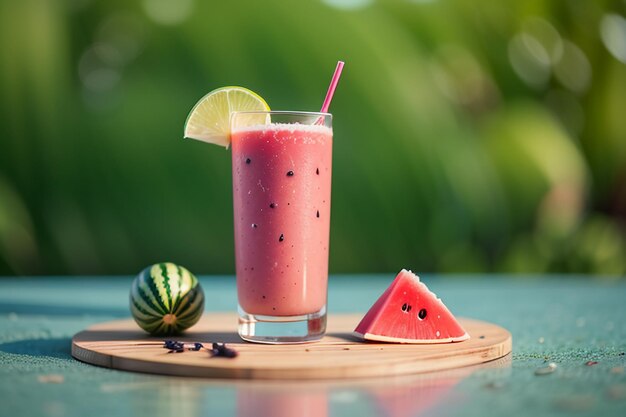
(470, 135)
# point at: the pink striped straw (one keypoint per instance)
(331, 87)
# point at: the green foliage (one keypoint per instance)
(469, 135)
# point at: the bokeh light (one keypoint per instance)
(168, 12)
(348, 4)
(613, 32)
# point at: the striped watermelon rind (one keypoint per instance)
(166, 299)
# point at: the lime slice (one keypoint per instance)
(209, 120)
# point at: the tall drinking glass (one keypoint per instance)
(281, 195)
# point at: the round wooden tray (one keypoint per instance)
(122, 345)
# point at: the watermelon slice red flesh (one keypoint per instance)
(408, 312)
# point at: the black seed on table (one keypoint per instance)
(273, 205)
(230, 353)
(281, 238)
(290, 173)
(173, 344)
(248, 160)
(220, 349)
(197, 346)
(318, 214)
(481, 336)
(422, 314)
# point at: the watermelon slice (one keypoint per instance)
(408, 312)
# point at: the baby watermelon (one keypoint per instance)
(166, 299)
(408, 312)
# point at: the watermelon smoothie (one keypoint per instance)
(281, 196)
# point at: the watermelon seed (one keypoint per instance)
(281, 238)
(318, 214)
(273, 205)
(248, 160)
(254, 225)
(317, 171)
(263, 297)
(290, 173)
(406, 307)
(481, 336)
(422, 314)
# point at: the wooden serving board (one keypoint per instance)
(122, 345)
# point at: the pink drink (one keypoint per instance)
(281, 189)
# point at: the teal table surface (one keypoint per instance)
(577, 323)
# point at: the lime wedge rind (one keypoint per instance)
(209, 119)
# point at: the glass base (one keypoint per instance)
(282, 329)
